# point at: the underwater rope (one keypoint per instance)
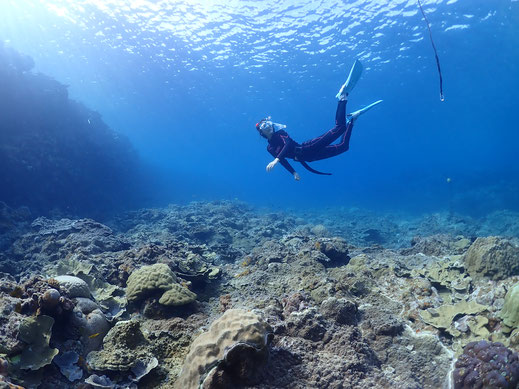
(442, 98)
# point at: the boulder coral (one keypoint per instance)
(492, 257)
(123, 347)
(177, 295)
(73, 286)
(159, 280)
(232, 352)
(148, 280)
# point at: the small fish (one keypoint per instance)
(94, 335)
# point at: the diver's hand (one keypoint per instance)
(296, 176)
(271, 165)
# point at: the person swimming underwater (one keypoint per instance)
(282, 147)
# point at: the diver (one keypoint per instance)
(282, 147)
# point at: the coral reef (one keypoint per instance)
(50, 241)
(344, 310)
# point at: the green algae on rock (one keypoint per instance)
(195, 267)
(510, 312)
(443, 316)
(72, 266)
(448, 273)
(123, 347)
(36, 332)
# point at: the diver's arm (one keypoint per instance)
(278, 159)
(289, 167)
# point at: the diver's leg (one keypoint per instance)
(331, 135)
(340, 114)
(333, 150)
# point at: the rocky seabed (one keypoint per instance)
(223, 295)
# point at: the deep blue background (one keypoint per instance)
(191, 116)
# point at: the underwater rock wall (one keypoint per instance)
(56, 154)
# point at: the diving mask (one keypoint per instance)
(265, 124)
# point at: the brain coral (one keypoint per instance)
(73, 286)
(148, 280)
(230, 353)
(486, 365)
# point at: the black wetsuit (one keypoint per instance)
(281, 146)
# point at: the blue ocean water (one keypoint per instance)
(187, 80)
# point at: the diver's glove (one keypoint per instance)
(296, 176)
(271, 165)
